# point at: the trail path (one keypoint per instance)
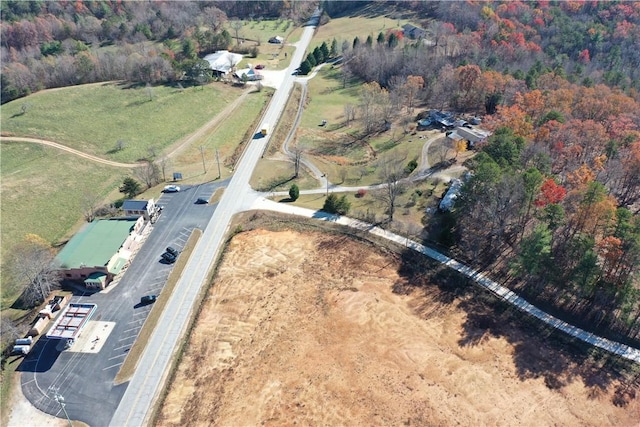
(6, 139)
(184, 143)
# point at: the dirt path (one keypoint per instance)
(210, 125)
(6, 139)
(305, 329)
(184, 143)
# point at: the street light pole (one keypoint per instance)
(203, 165)
(218, 159)
(326, 178)
(58, 398)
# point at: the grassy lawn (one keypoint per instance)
(42, 193)
(226, 138)
(92, 118)
(261, 30)
(349, 27)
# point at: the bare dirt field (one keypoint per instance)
(303, 328)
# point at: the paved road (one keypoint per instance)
(86, 379)
(622, 350)
(144, 388)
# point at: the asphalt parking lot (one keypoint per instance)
(84, 374)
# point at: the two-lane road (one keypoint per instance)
(143, 390)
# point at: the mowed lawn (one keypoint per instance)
(349, 27)
(92, 118)
(43, 190)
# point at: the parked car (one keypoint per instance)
(170, 258)
(148, 299)
(171, 189)
(172, 251)
(259, 67)
(201, 201)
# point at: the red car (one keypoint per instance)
(259, 67)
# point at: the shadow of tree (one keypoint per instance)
(539, 351)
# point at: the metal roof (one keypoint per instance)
(94, 245)
(71, 321)
(135, 205)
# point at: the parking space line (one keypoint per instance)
(118, 356)
(127, 338)
(112, 366)
(123, 346)
(132, 329)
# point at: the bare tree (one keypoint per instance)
(442, 149)
(31, 263)
(90, 204)
(8, 332)
(236, 25)
(149, 91)
(391, 171)
(148, 173)
(296, 157)
(164, 164)
(349, 113)
(120, 144)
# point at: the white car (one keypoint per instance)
(171, 189)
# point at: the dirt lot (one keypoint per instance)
(305, 329)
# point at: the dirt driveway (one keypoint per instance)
(305, 329)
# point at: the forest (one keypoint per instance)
(551, 205)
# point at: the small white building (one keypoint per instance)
(223, 61)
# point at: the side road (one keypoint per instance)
(502, 292)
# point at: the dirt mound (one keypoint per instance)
(304, 329)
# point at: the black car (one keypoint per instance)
(148, 299)
(172, 251)
(201, 201)
(169, 257)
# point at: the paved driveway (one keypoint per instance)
(85, 380)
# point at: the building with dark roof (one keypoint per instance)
(144, 208)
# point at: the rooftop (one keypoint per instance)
(135, 205)
(223, 60)
(95, 244)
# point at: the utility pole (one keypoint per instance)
(58, 398)
(203, 165)
(218, 159)
(326, 178)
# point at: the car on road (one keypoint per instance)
(148, 299)
(169, 257)
(173, 251)
(201, 201)
(171, 189)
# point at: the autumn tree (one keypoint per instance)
(411, 87)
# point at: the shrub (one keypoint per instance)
(361, 193)
(294, 192)
(411, 166)
(336, 205)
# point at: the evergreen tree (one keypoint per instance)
(334, 49)
(130, 187)
(380, 39)
(324, 49)
(305, 67)
(294, 192)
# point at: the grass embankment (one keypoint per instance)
(130, 363)
(44, 192)
(93, 118)
(362, 25)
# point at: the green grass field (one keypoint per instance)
(347, 28)
(42, 193)
(92, 118)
